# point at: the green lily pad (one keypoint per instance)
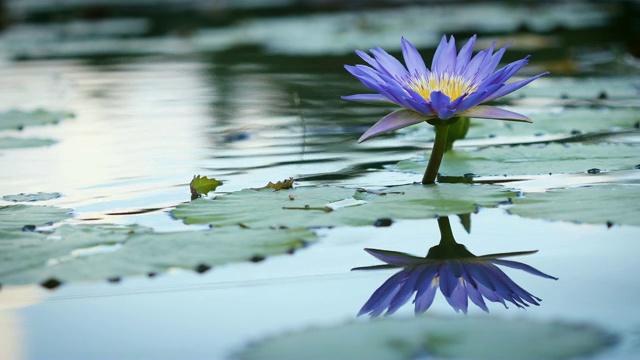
(595, 88)
(444, 338)
(98, 252)
(600, 204)
(16, 143)
(559, 121)
(14, 218)
(16, 119)
(40, 196)
(531, 159)
(314, 207)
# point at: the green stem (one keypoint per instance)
(446, 234)
(439, 147)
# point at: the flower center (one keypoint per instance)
(451, 85)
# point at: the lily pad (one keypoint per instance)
(16, 119)
(16, 143)
(40, 196)
(559, 121)
(444, 338)
(571, 88)
(531, 159)
(600, 204)
(312, 207)
(14, 218)
(98, 252)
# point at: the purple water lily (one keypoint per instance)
(460, 276)
(455, 86)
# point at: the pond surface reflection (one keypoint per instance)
(460, 275)
(258, 108)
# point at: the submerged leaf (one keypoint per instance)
(17, 143)
(460, 338)
(16, 119)
(202, 185)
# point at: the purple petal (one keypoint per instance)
(382, 84)
(446, 61)
(504, 74)
(369, 98)
(476, 62)
(480, 275)
(440, 105)
(392, 66)
(448, 281)
(476, 298)
(406, 97)
(407, 289)
(523, 267)
(425, 299)
(436, 57)
(395, 257)
(381, 298)
(458, 298)
(371, 61)
(491, 112)
(426, 287)
(489, 65)
(368, 77)
(415, 63)
(477, 98)
(466, 275)
(509, 254)
(465, 55)
(509, 290)
(394, 121)
(491, 295)
(511, 87)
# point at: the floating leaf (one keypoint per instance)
(281, 185)
(14, 218)
(444, 338)
(40, 196)
(531, 159)
(16, 143)
(564, 121)
(575, 88)
(202, 185)
(98, 252)
(600, 204)
(309, 206)
(16, 119)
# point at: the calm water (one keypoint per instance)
(248, 115)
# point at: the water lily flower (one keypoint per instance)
(450, 267)
(455, 86)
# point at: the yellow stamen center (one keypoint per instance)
(451, 85)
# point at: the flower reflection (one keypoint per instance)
(460, 275)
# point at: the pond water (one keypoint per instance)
(115, 119)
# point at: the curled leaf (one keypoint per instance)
(202, 185)
(281, 185)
